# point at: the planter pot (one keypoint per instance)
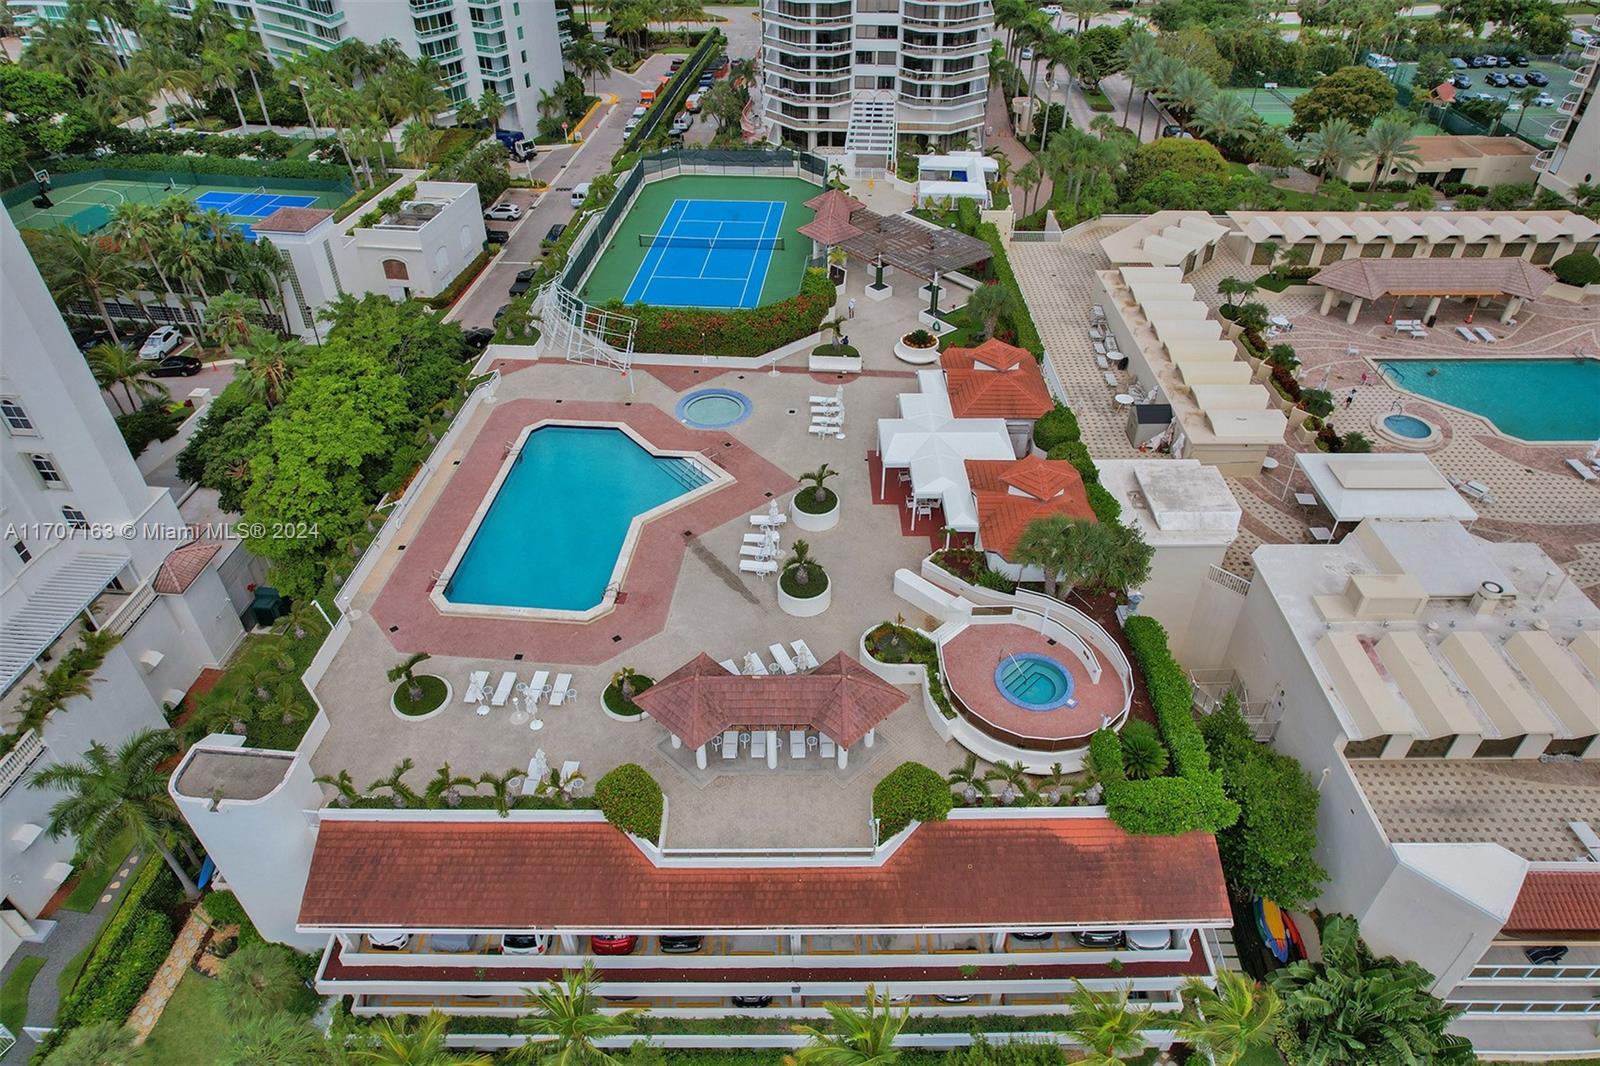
(809, 607)
(876, 293)
(915, 356)
(1304, 436)
(448, 693)
(813, 523)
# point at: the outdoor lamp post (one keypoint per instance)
(877, 276)
(933, 295)
(1260, 74)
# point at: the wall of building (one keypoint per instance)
(1413, 917)
(1198, 613)
(1508, 169)
(431, 255)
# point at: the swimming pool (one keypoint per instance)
(1533, 399)
(713, 408)
(1035, 682)
(551, 536)
(1408, 426)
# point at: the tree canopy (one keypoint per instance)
(1358, 94)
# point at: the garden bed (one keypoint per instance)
(433, 692)
(618, 704)
(806, 500)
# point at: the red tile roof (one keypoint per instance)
(700, 699)
(1371, 279)
(1052, 486)
(506, 874)
(832, 224)
(995, 380)
(182, 565)
(1553, 901)
(292, 220)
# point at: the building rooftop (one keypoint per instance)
(183, 565)
(1370, 279)
(1565, 900)
(292, 220)
(1011, 494)
(995, 380)
(1449, 146)
(232, 773)
(373, 873)
(1173, 501)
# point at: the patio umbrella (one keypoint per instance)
(539, 768)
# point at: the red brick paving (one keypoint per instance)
(970, 661)
(895, 494)
(649, 582)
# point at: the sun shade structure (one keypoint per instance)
(933, 444)
(912, 245)
(700, 699)
(1356, 487)
(1166, 238)
(51, 608)
(832, 225)
(1557, 901)
(1370, 279)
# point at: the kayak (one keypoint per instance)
(1298, 945)
(1270, 923)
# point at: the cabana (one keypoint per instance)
(1364, 280)
(933, 445)
(957, 176)
(1384, 485)
(700, 702)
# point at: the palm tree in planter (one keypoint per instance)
(568, 1013)
(835, 327)
(857, 1037)
(402, 794)
(346, 785)
(112, 793)
(1231, 287)
(499, 786)
(1105, 1024)
(1231, 1020)
(445, 787)
(410, 1042)
(1015, 779)
(818, 499)
(423, 693)
(1055, 787)
(625, 685)
(803, 578)
(972, 782)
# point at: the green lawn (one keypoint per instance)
(191, 1026)
(92, 881)
(14, 993)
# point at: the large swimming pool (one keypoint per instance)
(1534, 399)
(551, 537)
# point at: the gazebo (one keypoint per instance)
(899, 241)
(700, 701)
(1362, 280)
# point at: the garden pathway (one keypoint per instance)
(154, 1001)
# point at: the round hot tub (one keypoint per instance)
(1408, 431)
(1034, 682)
(713, 408)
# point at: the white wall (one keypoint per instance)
(433, 253)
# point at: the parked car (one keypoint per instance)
(453, 943)
(719, 66)
(1518, 81)
(633, 120)
(553, 234)
(705, 81)
(388, 940)
(504, 212)
(496, 235)
(944, 997)
(613, 943)
(1027, 54)
(1461, 81)
(580, 192)
(1480, 61)
(1537, 78)
(1544, 100)
(681, 945)
(522, 282)
(676, 63)
(692, 105)
(1148, 939)
(477, 338)
(161, 342)
(752, 1001)
(1099, 938)
(1458, 63)
(680, 125)
(1519, 60)
(1033, 934)
(176, 366)
(1497, 79)
(1501, 61)
(501, 313)
(524, 943)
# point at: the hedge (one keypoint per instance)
(910, 792)
(201, 165)
(1055, 427)
(744, 332)
(631, 800)
(919, 649)
(1101, 502)
(459, 283)
(1027, 332)
(224, 909)
(1579, 268)
(1105, 753)
(1191, 800)
(117, 989)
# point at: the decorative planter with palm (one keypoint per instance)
(617, 700)
(919, 347)
(837, 347)
(815, 507)
(417, 696)
(803, 587)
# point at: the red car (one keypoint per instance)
(612, 943)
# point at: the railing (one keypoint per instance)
(1547, 1007)
(1229, 580)
(947, 51)
(1583, 77)
(420, 6)
(774, 15)
(1542, 160)
(132, 609)
(778, 93)
(30, 746)
(1530, 972)
(1569, 103)
(1592, 51)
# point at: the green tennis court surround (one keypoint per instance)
(88, 200)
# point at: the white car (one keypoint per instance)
(524, 943)
(1027, 54)
(692, 105)
(681, 124)
(1544, 100)
(160, 343)
(580, 192)
(507, 212)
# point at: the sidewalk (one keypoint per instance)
(999, 135)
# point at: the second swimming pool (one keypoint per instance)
(1534, 399)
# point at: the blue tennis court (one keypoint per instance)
(249, 205)
(709, 253)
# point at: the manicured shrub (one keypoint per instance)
(631, 800)
(1105, 753)
(1077, 453)
(1579, 268)
(1056, 426)
(910, 792)
(890, 643)
(1105, 506)
(1168, 806)
(1027, 333)
(1143, 756)
(743, 332)
(118, 987)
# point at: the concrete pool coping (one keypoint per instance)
(1376, 362)
(630, 540)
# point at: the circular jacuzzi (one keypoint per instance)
(713, 408)
(1034, 682)
(1408, 431)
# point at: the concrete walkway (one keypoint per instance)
(173, 967)
(999, 134)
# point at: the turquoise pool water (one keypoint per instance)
(1407, 426)
(1032, 681)
(1534, 399)
(550, 537)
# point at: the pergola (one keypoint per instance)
(700, 701)
(1362, 280)
(899, 241)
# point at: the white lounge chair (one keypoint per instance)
(1101, 362)
(562, 690)
(830, 410)
(730, 666)
(476, 682)
(502, 691)
(780, 655)
(797, 743)
(730, 743)
(825, 746)
(758, 551)
(1582, 469)
(758, 566)
(754, 667)
(827, 401)
(1098, 346)
(1111, 379)
(1485, 334)
(802, 656)
(1467, 335)
(767, 521)
(831, 421)
(758, 743)
(537, 688)
(826, 431)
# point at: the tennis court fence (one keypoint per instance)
(181, 179)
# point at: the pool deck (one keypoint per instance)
(970, 661)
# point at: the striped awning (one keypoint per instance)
(50, 609)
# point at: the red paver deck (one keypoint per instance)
(970, 660)
(895, 494)
(403, 609)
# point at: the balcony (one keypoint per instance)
(945, 21)
(435, 33)
(1592, 51)
(815, 94)
(934, 77)
(15, 763)
(946, 51)
(318, 13)
(811, 47)
(1557, 130)
(1541, 161)
(1582, 78)
(419, 7)
(1569, 103)
(1506, 963)
(837, 15)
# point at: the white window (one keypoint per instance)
(74, 518)
(17, 420)
(45, 466)
(22, 551)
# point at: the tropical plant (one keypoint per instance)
(445, 787)
(78, 267)
(1231, 1020)
(344, 783)
(258, 980)
(1054, 787)
(801, 568)
(409, 1042)
(116, 795)
(113, 365)
(281, 1039)
(626, 681)
(1330, 146)
(835, 326)
(401, 794)
(988, 304)
(1388, 143)
(405, 671)
(1015, 780)
(1143, 756)
(99, 1044)
(499, 786)
(566, 1014)
(1231, 287)
(1083, 553)
(972, 782)
(269, 365)
(1226, 119)
(856, 1037)
(1105, 1024)
(817, 479)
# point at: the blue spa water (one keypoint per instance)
(550, 537)
(1534, 399)
(1033, 681)
(1407, 426)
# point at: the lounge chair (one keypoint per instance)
(758, 566)
(754, 667)
(538, 687)
(1101, 362)
(1582, 469)
(1099, 347)
(766, 519)
(780, 655)
(1111, 379)
(803, 657)
(562, 690)
(730, 743)
(502, 691)
(1485, 334)
(476, 681)
(825, 746)
(831, 410)
(758, 551)
(761, 538)
(730, 666)
(797, 743)
(827, 401)
(1467, 335)
(758, 743)
(824, 430)
(831, 421)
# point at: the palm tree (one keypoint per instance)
(1135, 52)
(1002, 165)
(1085, 10)
(99, 1044)
(111, 794)
(1225, 119)
(410, 1042)
(418, 141)
(1059, 547)
(188, 253)
(817, 478)
(1230, 287)
(417, 89)
(1016, 781)
(346, 785)
(1104, 1023)
(403, 671)
(567, 1013)
(137, 227)
(988, 304)
(258, 980)
(586, 56)
(113, 365)
(1231, 1020)
(856, 1038)
(1191, 90)
(1332, 145)
(249, 56)
(269, 365)
(281, 1039)
(973, 783)
(801, 567)
(1389, 145)
(69, 48)
(78, 267)
(499, 786)
(218, 65)
(297, 73)
(1028, 179)
(402, 794)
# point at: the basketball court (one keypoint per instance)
(709, 253)
(90, 205)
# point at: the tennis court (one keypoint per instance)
(704, 241)
(1273, 105)
(87, 206)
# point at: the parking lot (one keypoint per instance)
(1532, 123)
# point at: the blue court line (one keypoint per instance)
(763, 256)
(702, 289)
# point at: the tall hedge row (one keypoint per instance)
(746, 331)
(1027, 333)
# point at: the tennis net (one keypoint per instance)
(747, 244)
(1288, 101)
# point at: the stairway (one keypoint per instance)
(870, 136)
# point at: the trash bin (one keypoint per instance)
(267, 606)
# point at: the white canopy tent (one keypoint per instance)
(933, 445)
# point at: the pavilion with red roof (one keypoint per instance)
(1011, 495)
(997, 380)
